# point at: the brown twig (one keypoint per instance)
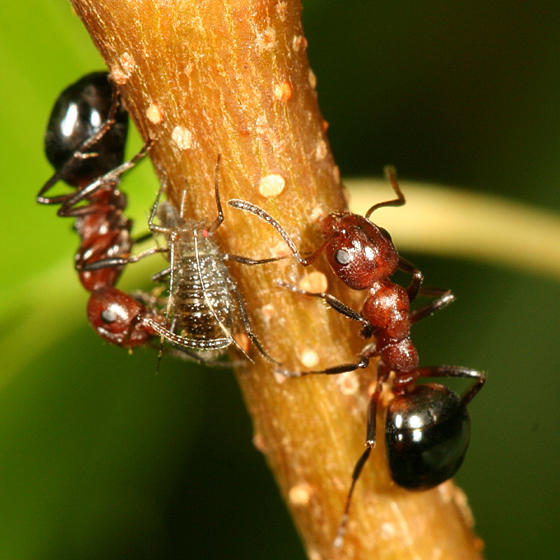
(231, 77)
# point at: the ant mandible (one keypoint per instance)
(427, 426)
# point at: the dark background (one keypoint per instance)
(100, 457)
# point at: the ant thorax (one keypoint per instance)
(202, 295)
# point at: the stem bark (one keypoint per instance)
(231, 77)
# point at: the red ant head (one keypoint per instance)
(117, 317)
(359, 252)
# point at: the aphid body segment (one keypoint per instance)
(204, 304)
(203, 299)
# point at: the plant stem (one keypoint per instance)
(231, 77)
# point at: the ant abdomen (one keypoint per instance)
(427, 435)
(79, 112)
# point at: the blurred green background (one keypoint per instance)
(101, 458)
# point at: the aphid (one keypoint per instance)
(427, 426)
(85, 142)
(204, 304)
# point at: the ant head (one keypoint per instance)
(117, 317)
(427, 433)
(359, 252)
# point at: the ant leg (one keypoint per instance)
(479, 377)
(362, 363)
(109, 177)
(382, 375)
(249, 261)
(335, 303)
(391, 176)
(80, 153)
(114, 262)
(443, 299)
(417, 278)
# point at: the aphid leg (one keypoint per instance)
(220, 217)
(248, 327)
(479, 377)
(157, 277)
(183, 342)
(143, 237)
(190, 356)
(153, 227)
(266, 217)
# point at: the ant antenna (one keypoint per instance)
(391, 176)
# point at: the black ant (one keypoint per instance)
(427, 426)
(85, 142)
(204, 303)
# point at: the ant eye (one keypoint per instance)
(342, 256)
(108, 316)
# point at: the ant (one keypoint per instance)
(427, 426)
(84, 142)
(204, 301)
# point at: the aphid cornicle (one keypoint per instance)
(426, 425)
